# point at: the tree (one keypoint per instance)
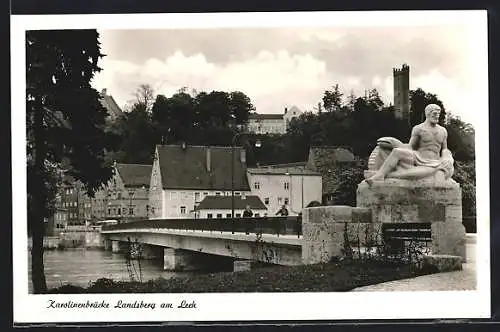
(137, 137)
(461, 139)
(348, 179)
(144, 98)
(419, 99)
(65, 124)
(240, 107)
(332, 100)
(351, 100)
(374, 99)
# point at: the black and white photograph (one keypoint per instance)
(288, 165)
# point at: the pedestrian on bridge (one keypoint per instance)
(283, 211)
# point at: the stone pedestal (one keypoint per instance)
(421, 201)
(329, 230)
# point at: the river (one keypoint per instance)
(80, 266)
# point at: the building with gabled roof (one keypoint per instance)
(292, 186)
(274, 123)
(183, 175)
(109, 103)
(126, 195)
(221, 206)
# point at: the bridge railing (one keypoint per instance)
(262, 225)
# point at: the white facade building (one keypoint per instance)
(183, 175)
(272, 123)
(293, 187)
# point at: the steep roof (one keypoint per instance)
(186, 168)
(135, 175)
(298, 164)
(282, 171)
(224, 203)
(326, 160)
(110, 104)
(258, 116)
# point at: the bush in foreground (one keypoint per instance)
(338, 276)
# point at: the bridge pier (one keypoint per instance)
(178, 260)
(244, 265)
(115, 246)
(107, 244)
(150, 252)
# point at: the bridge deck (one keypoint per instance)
(237, 236)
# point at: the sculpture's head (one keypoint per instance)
(432, 112)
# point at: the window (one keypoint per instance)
(119, 195)
(238, 215)
(153, 209)
(257, 215)
(173, 195)
(196, 197)
(109, 211)
(114, 211)
(256, 185)
(131, 211)
(237, 194)
(219, 215)
(119, 211)
(287, 185)
(217, 194)
(266, 200)
(280, 200)
(228, 215)
(183, 210)
(209, 216)
(286, 200)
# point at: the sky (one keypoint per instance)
(282, 67)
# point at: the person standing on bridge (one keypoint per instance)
(248, 212)
(283, 211)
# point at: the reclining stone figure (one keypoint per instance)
(426, 155)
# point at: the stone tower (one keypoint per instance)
(402, 92)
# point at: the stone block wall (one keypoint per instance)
(329, 230)
(404, 201)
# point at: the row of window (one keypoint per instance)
(281, 200)
(286, 185)
(119, 210)
(197, 195)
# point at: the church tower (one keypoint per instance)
(402, 92)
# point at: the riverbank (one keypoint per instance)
(72, 238)
(331, 277)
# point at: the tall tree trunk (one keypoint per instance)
(38, 194)
(37, 268)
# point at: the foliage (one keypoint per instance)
(465, 175)
(328, 277)
(65, 124)
(419, 99)
(348, 179)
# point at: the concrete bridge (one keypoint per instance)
(186, 244)
(325, 232)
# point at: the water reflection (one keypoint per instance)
(81, 266)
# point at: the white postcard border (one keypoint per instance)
(246, 306)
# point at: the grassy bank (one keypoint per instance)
(330, 277)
